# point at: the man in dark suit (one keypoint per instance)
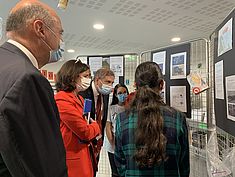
(98, 92)
(30, 139)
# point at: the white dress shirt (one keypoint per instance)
(96, 94)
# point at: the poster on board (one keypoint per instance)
(230, 97)
(82, 59)
(178, 98)
(50, 76)
(225, 39)
(116, 65)
(95, 63)
(219, 80)
(178, 66)
(197, 83)
(160, 58)
(44, 73)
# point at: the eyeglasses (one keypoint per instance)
(77, 61)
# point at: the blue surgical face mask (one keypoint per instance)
(122, 97)
(105, 89)
(57, 54)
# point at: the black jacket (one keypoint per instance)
(31, 144)
(88, 93)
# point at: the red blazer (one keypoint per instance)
(74, 127)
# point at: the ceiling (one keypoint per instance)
(132, 26)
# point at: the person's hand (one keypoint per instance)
(91, 120)
(98, 137)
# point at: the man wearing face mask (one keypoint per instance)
(98, 92)
(31, 143)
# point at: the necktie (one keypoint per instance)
(98, 111)
(99, 142)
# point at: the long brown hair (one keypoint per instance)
(68, 73)
(149, 137)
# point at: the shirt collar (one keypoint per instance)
(26, 52)
(95, 91)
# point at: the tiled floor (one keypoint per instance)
(103, 175)
(104, 166)
(198, 166)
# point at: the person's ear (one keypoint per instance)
(161, 85)
(134, 84)
(39, 28)
(96, 81)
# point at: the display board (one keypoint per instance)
(114, 62)
(224, 77)
(175, 65)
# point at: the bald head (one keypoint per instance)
(37, 27)
(26, 11)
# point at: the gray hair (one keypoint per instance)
(101, 73)
(19, 19)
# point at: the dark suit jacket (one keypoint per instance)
(88, 93)
(30, 140)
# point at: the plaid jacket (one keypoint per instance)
(177, 148)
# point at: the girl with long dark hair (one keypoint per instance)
(151, 139)
(117, 106)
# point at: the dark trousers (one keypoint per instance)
(113, 165)
(97, 160)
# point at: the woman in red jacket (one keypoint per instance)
(74, 76)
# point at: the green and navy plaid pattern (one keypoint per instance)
(177, 148)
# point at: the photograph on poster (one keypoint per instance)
(225, 39)
(116, 65)
(95, 63)
(219, 80)
(106, 62)
(230, 97)
(178, 98)
(178, 66)
(160, 58)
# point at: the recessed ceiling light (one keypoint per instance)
(175, 39)
(98, 26)
(70, 51)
